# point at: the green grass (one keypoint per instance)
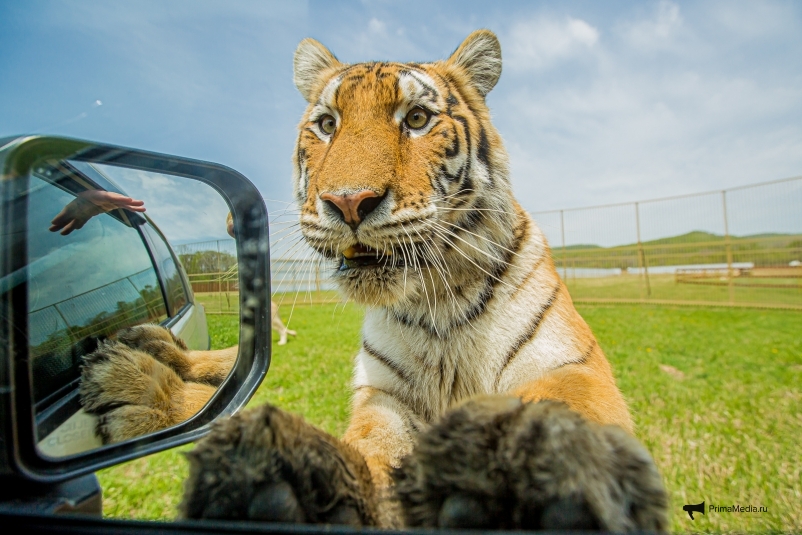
(729, 431)
(723, 423)
(308, 376)
(664, 287)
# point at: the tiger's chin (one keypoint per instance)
(376, 285)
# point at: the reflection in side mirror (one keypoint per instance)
(100, 262)
(114, 264)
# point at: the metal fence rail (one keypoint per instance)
(737, 247)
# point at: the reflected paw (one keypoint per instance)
(130, 392)
(265, 464)
(498, 463)
(161, 344)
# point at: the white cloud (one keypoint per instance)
(541, 41)
(655, 31)
(376, 40)
(754, 19)
(377, 27)
(184, 210)
(632, 128)
(598, 102)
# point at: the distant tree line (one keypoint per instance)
(207, 262)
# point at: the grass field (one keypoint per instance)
(716, 395)
(664, 287)
(746, 291)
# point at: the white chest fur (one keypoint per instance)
(515, 339)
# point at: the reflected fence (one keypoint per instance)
(739, 247)
(211, 268)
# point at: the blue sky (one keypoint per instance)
(598, 102)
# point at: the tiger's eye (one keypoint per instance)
(417, 118)
(327, 124)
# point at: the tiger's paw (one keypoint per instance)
(265, 464)
(161, 344)
(498, 463)
(132, 393)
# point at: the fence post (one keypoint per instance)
(642, 254)
(728, 246)
(562, 231)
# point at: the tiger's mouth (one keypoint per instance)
(362, 256)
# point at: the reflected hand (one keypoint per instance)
(89, 204)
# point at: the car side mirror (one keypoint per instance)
(79, 262)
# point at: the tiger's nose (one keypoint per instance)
(355, 207)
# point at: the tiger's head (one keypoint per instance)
(401, 178)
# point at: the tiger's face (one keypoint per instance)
(398, 170)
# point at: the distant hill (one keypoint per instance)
(695, 236)
(695, 247)
(583, 246)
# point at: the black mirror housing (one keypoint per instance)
(20, 458)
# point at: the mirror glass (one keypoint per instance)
(110, 248)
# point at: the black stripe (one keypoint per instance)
(530, 332)
(451, 177)
(529, 275)
(453, 150)
(467, 128)
(404, 413)
(104, 408)
(380, 74)
(586, 354)
(583, 359)
(483, 152)
(429, 90)
(383, 391)
(520, 232)
(466, 184)
(313, 226)
(454, 381)
(437, 184)
(451, 101)
(443, 377)
(467, 172)
(491, 282)
(470, 220)
(407, 418)
(460, 198)
(387, 362)
(354, 78)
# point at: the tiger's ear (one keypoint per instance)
(311, 59)
(479, 56)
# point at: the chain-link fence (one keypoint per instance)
(211, 267)
(737, 247)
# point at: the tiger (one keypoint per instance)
(481, 398)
